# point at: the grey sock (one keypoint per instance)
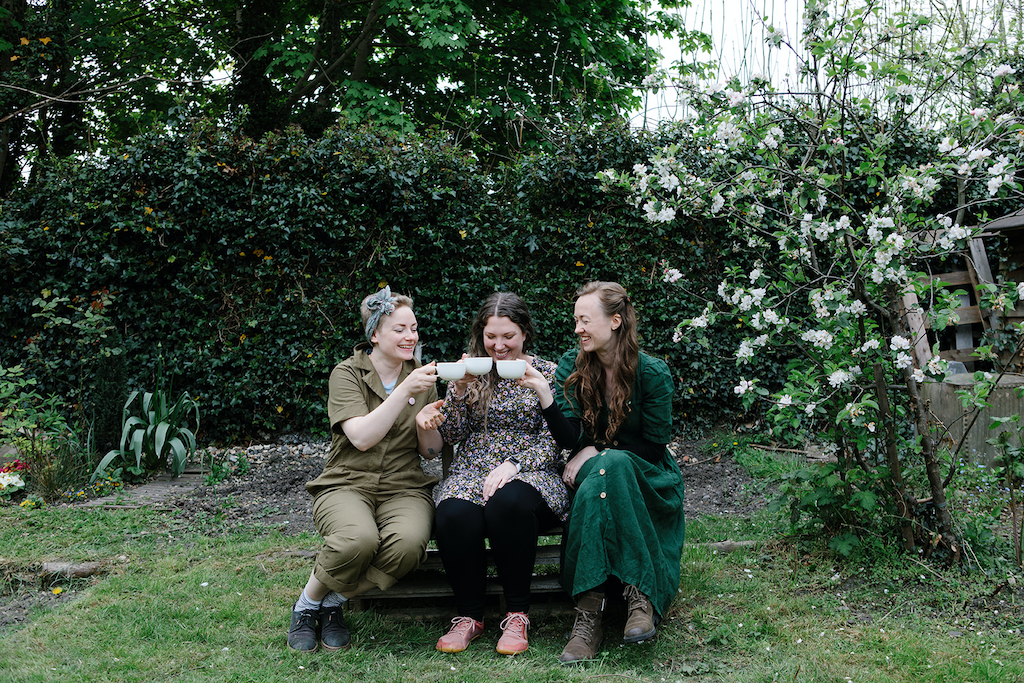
(304, 604)
(333, 599)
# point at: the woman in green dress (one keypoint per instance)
(626, 521)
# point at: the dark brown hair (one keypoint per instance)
(499, 305)
(587, 381)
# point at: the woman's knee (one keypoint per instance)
(515, 500)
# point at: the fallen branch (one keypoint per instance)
(777, 449)
(70, 570)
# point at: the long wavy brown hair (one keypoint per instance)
(587, 381)
(501, 305)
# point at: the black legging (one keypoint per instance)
(512, 519)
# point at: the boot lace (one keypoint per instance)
(637, 600)
(584, 626)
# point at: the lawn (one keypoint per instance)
(196, 601)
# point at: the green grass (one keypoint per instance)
(205, 603)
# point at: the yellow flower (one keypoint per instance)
(280, 409)
(149, 229)
(579, 264)
(57, 591)
(148, 211)
(24, 40)
(242, 339)
(45, 41)
(462, 234)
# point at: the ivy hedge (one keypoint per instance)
(233, 268)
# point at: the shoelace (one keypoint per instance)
(461, 625)
(637, 600)
(515, 620)
(584, 626)
(307, 618)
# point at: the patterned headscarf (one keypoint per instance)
(380, 304)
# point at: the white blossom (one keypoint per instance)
(980, 153)
(820, 338)
(671, 275)
(785, 400)
(745, 352)
(898, 343)
(870, 345)
(717, 202)
(1003, 70)
(937, 365)
(918, 375)
(728, 133)
(903, 360)
(838, 378)
(743, 387)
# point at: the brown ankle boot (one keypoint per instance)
(639, 617)
(587, 632)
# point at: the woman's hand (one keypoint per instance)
(430, 417)
(461, 385)
(572, 468)
(420, 379)
(534, 380)
(499, 476)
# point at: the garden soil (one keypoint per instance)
(271, 494)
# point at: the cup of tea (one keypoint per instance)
(512, 369)
(479, 365)
(451, 371)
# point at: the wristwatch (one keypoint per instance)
(515, 461)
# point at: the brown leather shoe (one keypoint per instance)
(639, 616)
(587, 632)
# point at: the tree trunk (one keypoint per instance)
(893, 460)
(257, 24)
(12, 16)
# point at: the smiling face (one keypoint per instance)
(503, 339)
(397, 334)
(595, 329)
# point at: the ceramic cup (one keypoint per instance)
(512, 369)
(480, 365)
(451, 371)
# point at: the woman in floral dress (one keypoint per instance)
(504, 483)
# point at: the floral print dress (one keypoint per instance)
(515, 428)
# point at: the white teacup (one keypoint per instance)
(480, 365)
(512, 369)
(451, 371)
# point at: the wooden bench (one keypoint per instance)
(426, 593)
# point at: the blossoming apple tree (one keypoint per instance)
(847, 191)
